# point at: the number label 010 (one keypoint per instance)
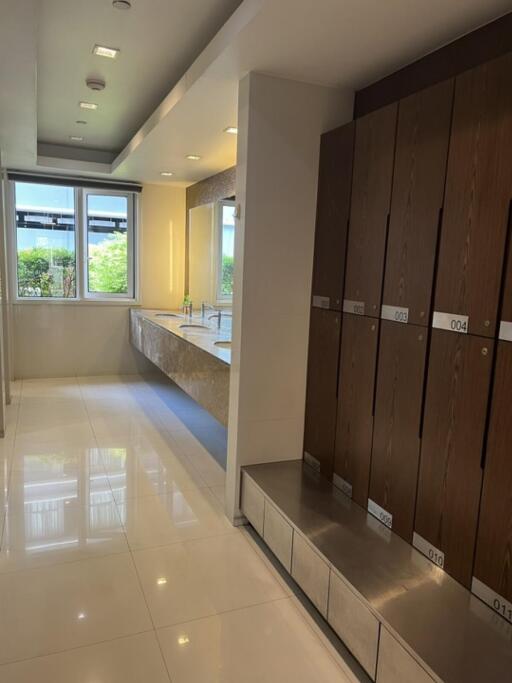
(434, 554)
(451, 322)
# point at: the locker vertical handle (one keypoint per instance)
(376, 375)
(490, 401)
(425, 380)
(338, 362)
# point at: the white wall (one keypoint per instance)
(65, 339)
(280, 123)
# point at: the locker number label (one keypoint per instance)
(312, 461)
(492, 599)
(382, 515)
(355, 307)
(397, 314)
(321, 302)
(342, 485)
(451, 322)
(434, 554)
(505, 330)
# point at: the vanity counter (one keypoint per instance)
(187, 350)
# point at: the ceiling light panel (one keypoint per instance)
(88, 105)
(103, 51)
(232, 130)
(193, 157)
(166, 174)
(76, 138)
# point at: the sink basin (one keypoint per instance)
(195, 326)
(223, 344)
(167, 315)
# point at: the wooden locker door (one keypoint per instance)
(450, 480)
(333, 204)
(423, 134)
(396, 431)
(477, 199)
(354, 425)
(321, 393)
(371, 193)
(493, 562)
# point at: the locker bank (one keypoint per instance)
(255, 341)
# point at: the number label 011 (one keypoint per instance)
(492, 599)
(451, 322)
(434, 554)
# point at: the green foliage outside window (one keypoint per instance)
(227, 275)
(45, 272)
(108, 270)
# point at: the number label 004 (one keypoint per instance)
(451, 322)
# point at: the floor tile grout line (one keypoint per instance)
(76, 647)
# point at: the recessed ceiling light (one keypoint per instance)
(161, 581)
(81, 122)
(122, 4)
(166, 174)
(88, 105)
(232, 130)
(193, 157)
(183, 640)
(76, 138)
(103, 51)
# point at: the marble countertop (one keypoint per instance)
(202, 338)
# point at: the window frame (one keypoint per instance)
(221, 299)
(130, 246)
(82, 296)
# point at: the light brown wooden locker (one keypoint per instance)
(321, 393)
(369, 210)
(358, 356)
(421, 153)
(477, 198)
(333, 204)
(459, 372)
(396, 431)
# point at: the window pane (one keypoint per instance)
(107, 243)
(228, 251)
(45, 240)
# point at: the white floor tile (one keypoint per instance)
(135, 659)
(186, 581)
(181, 515)
(69, 605)
(269, 642)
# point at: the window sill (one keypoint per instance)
(76, 302)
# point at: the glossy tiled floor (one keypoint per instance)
(117, 564)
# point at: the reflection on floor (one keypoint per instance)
(117, 564)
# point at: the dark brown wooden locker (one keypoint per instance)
(477, 199)
(419, 175)
(371, 193)
(493, 563)
(333, 205)
(396, 430)
(354, 425)
(321, 394)
(450, 478)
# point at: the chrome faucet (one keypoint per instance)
(206, 306)
(217, 315)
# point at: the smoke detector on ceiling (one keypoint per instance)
(95, 83)
(121, 4)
